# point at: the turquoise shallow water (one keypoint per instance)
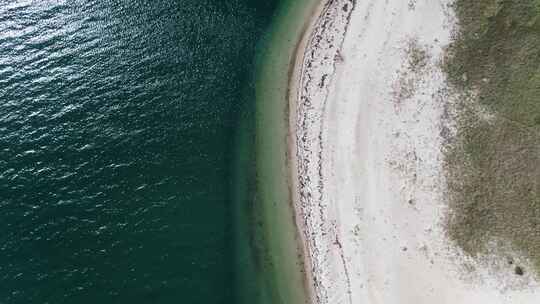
(284, 263)
(118, 123)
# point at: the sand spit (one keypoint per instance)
(369, 117)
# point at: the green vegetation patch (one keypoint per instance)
(494, 164)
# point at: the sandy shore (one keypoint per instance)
(369, 116)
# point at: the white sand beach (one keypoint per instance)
(369, 114)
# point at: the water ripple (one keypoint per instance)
(116, 120)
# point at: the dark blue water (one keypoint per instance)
(117, 128)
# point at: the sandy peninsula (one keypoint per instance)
(370, 114)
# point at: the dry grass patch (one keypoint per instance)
(494, 164)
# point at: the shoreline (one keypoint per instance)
(368, 122)
(327, 11)
(283, 256)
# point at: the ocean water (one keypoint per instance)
(119, 125)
